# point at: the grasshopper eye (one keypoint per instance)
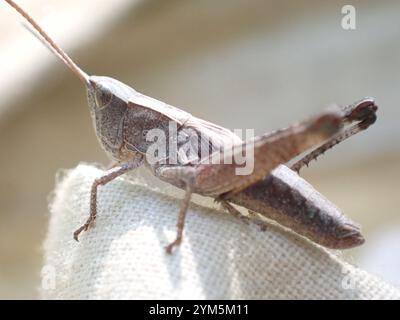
(103, 98)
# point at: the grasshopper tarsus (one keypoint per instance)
(170, 247)
(77, 233)
(234, 212)
(85, 227)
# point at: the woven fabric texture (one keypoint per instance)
(123, 257)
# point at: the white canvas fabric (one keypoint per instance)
(123, 257)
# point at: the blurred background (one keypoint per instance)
(241, 64)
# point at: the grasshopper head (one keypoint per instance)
(108, 101)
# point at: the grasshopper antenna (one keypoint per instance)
(51, 44)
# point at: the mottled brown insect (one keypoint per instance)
(122, 117)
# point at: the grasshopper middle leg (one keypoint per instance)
(186, 177)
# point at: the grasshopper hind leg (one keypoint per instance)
(250, 218)
(233, 211)
(363, 113)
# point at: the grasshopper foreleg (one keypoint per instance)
(107, 177)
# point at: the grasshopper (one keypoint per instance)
(123, 118)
